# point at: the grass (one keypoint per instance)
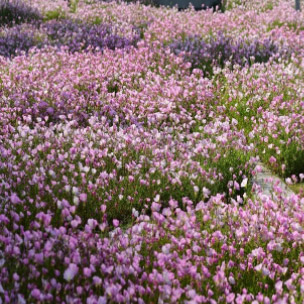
(293, 26)
(244, 110)
(297, 188)
(56, 14)
(73, 6)
(120, 193)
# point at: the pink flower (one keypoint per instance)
(97, 280)
(289, 284)
(92, 223)
(155, 206)
(230, 298)
(87, 272)
(288, 180)
(103, 208)
(116, 223)
(15, 199)
(74, 223)
(83, 197)
(279, 287)
(206, 192)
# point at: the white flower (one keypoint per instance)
(258, 267)
(234, 121)
(135, 212)
(206, 192)
(52, 173)
(76, 201)
(86, 169)
(231, 280)
(59, 204)
(244, 182)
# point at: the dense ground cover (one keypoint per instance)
(129, 139)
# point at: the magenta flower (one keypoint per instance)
(116, 223)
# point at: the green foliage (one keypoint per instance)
(231, 162)
(293, 26)
(245, 111)
(73, 5)
(141, 28)
(291, 154)
(269, 6)
(230, 4)
(57, 14)
(298, 188)
(96, 20)
(113, 86)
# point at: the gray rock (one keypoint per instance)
(266, 183)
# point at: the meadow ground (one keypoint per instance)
(129, 139)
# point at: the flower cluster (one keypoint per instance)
(18, 39)
(64, 33)
(270, 110)
(77, 36)
(128, 176)
(16, 12)
(223, 50)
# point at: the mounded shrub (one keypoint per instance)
(221, 49)
(16, 12)
(77, 36)
(17, 39)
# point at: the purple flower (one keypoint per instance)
(70, 272)
(15, 12)
(36, 294)
(80, 36)
(205, 55)
(15, 199)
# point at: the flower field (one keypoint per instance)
(130, 139)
